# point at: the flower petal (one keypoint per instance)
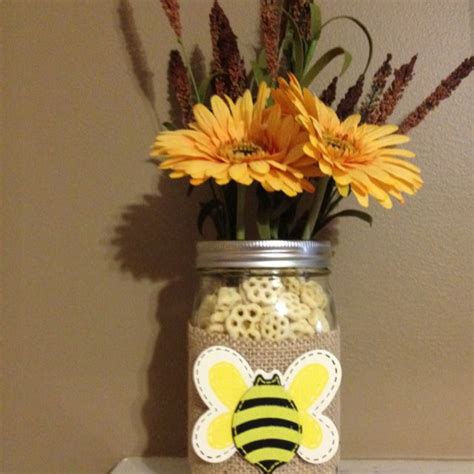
(239, 173)
(260, 166)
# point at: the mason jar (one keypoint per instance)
(263, 322)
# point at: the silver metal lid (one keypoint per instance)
(263, 254)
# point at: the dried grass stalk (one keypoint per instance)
(226, 56)
(328, 96)
(442, 92)
(171, 8)
(394, 93)
(379, 82)
(136, 51)
(270, 25)
(348, 104)
(179, 84)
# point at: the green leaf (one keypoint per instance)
(315, 21)
(274, 226)
(285, 42)
(287, 217)
(258, 73)
(285, 203)
(349, 213)
(334, 203)
(323, 61)
(203, 88)
(262, 59)
(298, 56)
(285, 45)
(297, 45)
(214, 210)
(347, 62)
(328, 195)
(310, 52)
(263, 226)
(363, 28)
(229, 192)
(169, 126)
(299, 226)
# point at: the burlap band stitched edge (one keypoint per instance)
(267, 356)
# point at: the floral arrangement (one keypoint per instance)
(264, 132)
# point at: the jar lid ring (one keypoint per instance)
(263, 254)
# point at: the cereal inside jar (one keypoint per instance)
(248, 292)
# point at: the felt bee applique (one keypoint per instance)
(268, 418)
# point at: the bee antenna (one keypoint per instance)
(261, 380)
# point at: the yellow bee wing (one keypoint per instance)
(219, 433)
(221, 377)
(312, 381)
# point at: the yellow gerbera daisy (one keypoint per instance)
(241, 141)
(359, 157)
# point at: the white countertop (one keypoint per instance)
(137, 465)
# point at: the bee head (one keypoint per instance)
(272, 379)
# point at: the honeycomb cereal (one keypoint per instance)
(206, 309)
(313, 295)
(293, 308)
(289, 297)
(228, 296)
(275, 327)
(219, 316)
(322, 325)
(243, 321)
(292, 284)
(318, 320)
(262, 290)
(301, 328)
(266, 307)
(216, 327)
(254, 334)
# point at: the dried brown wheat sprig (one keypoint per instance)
(227, 62)
(300, 10)
(379, 81)
(442, 92)
(171, 8)
(136, 51)
(270, 26)
(348, 103)
(180, 85)
(328, 96)
(394, 93)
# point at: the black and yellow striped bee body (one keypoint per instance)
(266, 425)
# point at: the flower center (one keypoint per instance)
(241, 151)
(341, 143)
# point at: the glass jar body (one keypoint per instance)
(271, 304)
(263, 345)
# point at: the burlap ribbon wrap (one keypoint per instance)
(267, 356)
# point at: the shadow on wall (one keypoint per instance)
(155, 240)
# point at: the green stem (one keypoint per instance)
(221, 228)
(316, 207)
(190, 71)
(274, 230)
(240, 217)
(275, 219)
(227, 218)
